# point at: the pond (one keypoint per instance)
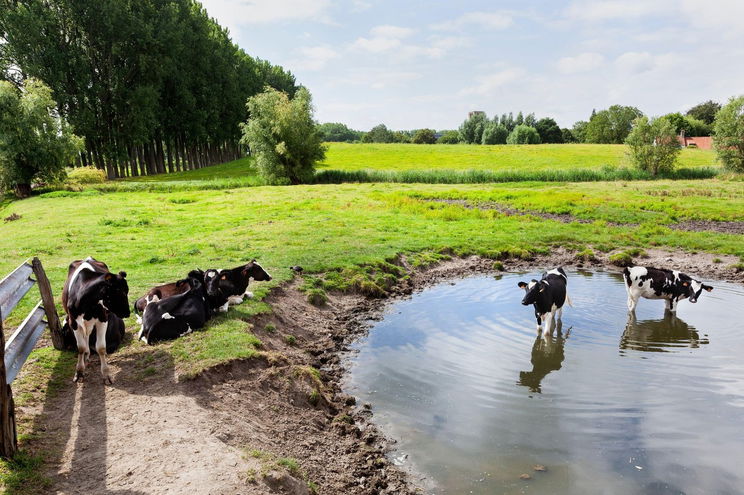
(458, 375)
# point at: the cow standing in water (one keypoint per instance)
(654, 283)
(548, 296)
(90, 295)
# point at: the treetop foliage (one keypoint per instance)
(136, 75)
(523, 134)
(705, 111)
(611, 126)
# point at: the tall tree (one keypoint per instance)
(728, 136)
(611, 126)
(549, 130)
(705, 111)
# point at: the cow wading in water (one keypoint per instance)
(90, 295)
(548, 296)
(655, 283)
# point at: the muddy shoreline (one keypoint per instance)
(271, 423)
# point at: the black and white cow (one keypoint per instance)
(115, 333)
(175, 316)
(215, 295)
(548, 296)
(90, 295)
(234, 282)
(655, 283)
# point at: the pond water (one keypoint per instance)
(652, 405)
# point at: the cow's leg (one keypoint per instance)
(234, 300)
(539, 324)
(548, 319)
(224, 307)
(559, 313)
(248, 294)
(670, 305)
(101, 327)
(632, 302)
(81, 338)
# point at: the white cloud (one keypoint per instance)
(592, 10)
(580, 63)
(491, 20)
(388, 31)
(489, 84)
(635, 62)
(314, 57)
(376, 78)
(232, 13)
(384, 38)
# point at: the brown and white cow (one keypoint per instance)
(90, 295)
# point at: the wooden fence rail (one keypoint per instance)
(19, 345)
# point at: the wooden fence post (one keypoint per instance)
(8, 440)
(50, 309)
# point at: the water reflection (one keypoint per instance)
(547, 356)
(663, 335)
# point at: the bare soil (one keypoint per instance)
(228, 430)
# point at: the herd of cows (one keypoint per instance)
(549, 294)
(95, 300)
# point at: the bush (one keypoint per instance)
(283, 136)
(35, 143)
(728, 139)
(653, 145)
(449, 137)
(86, 175)
(549, 131)
(379, 134)
(424, 136)
(523, 134)
(494, 134)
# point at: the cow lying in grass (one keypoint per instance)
(655, 283)
(214, 296)
(178, 315)
(90, 296)
(547, 295)
(234, 282)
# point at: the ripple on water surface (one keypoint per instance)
(611, 404)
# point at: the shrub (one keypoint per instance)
(728, 139)
(449, 137)
(523, 134)
(653, 145)
(35, 143)
(283, 136)
(424, 136)
(494, 134)
(317, 297)
(86, 175)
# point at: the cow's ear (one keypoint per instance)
(522, 285)
(685, 284)
(707, 287)
(223, 277)
(123, 274)
(253, 260)
(108, 277)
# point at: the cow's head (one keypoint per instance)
(532, 290)
(213, 286)
(255, 271)
(197, 273)
(694, 289)
(114, 294)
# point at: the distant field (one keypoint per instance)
(343, 156)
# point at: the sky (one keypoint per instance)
(411, 64)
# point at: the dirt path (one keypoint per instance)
(228, 430)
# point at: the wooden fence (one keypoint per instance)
(19, 345)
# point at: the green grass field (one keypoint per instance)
(158, 228)
(344, 156)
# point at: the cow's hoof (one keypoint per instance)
(77, 378)
(107, 380)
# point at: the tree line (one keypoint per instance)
(609, 126)
(151, 86)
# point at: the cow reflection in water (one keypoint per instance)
(660, 335)
(547, 356)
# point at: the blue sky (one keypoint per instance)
(412, 64)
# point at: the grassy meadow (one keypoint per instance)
(345, 156)
(345, 235)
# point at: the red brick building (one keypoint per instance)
(702, 142)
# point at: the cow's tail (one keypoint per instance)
(568, 300)
(626, 276)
